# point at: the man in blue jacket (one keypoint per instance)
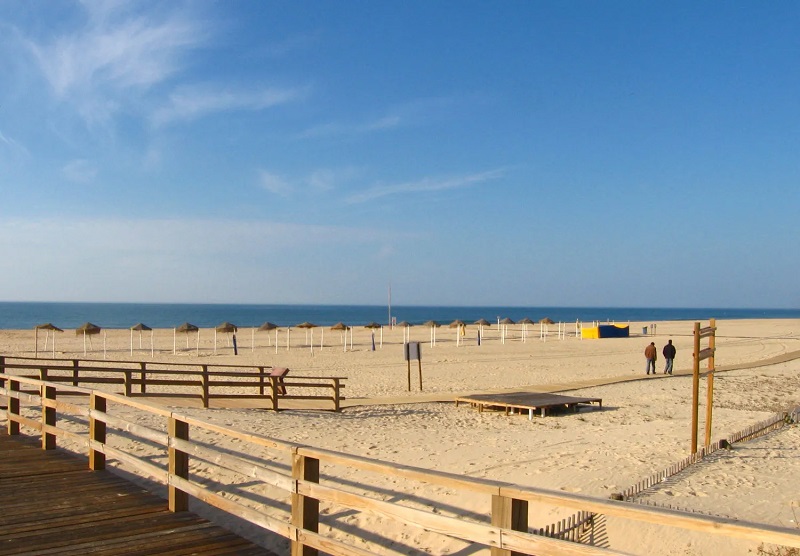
(669, 355)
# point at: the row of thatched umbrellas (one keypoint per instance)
(88, 329)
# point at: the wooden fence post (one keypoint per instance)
(75, 370)
(142, 375)
(2, 370)
(178, 465)
(508, 513)
(695, 387)
(305, 510)
(336, 394)
(48, 418)
(261, 381)
(97, 432)
(204, 379)
(128, 382)
(13, 407)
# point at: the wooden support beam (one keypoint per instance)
(178, 465)
(509, 513)
(48, 418)
(305, 510)
(97, 432)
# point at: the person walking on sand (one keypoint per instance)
(669, 356)
(650, 353)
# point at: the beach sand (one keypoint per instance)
(643, 427)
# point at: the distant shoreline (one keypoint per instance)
(25, 315)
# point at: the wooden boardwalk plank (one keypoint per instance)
(53, 504)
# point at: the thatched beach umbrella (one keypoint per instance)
(141, 327)
(226, 328)
(481, 323)
(87, 329)
(543, 327)
(266, 327)
(310, 326)
(186, 327)
(525, 321)
(433, 325)
(342, 328)
(504, 328)
(461, 326)
(47, 327)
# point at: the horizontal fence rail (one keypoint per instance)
(301, 492)
(182, 380)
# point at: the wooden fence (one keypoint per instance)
(761, 428)
(180, 380)
(295, 491)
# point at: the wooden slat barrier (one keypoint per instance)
(206, 383)
(291, 476)
(776, 421)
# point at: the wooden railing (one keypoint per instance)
(181, 380)
(282, 487)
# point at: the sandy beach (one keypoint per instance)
(644, 424)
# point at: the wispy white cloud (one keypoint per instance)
(190, 103)
(274, 183)
(112, 52)
(332, 129)
(321, 179)
(15, 147)
(120, 51)
(325, 179)
(80, 171)
(425, 185)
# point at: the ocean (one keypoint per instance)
(21, 315)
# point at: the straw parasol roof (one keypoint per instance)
(226, 327)
(140, 327)
(306, 325)
(187, 327)
(506, 321)
(373, 324)
(457, 322)
(482, 322)
(339, 326)
(87, 328)
(404, 323)
(547, 320)
(432, 324)
(48, 326)
(525, 320)
(267, 326)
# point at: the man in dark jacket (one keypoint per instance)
(669, 355)
(650, 353)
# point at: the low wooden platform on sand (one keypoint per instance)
(530, 401)
(53, 504)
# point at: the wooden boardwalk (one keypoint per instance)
(53, 504)
(527, 401)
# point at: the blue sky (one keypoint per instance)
(471, 153)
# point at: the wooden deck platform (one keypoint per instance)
(527, 401)
(53, 504)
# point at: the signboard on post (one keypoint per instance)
(412, 351)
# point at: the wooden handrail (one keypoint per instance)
(503, 529)
(203, 383)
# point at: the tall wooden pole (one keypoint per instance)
(695, 386)
(712, 346)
